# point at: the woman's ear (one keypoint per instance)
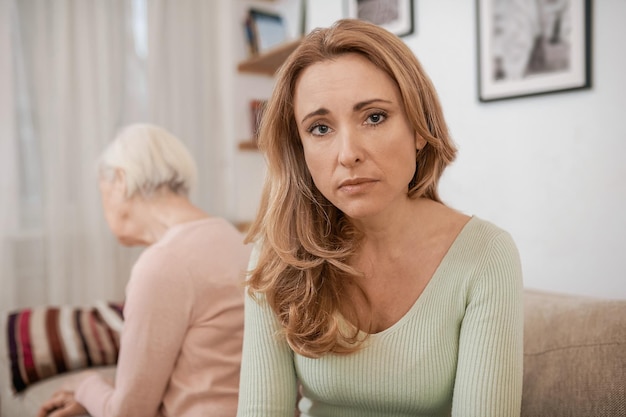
(119, 181)
(420, 142)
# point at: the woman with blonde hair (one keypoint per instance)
(180, 346)
(366, 290)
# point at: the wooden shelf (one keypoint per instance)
(248, 146)
(268, 62)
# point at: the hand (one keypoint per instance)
(62, 404)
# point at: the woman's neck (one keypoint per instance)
(151, 217)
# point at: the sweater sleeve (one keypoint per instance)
(267, 384)
(156, 315)
(490, 361)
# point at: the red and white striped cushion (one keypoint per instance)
(46, 341)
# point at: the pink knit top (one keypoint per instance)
(183, 324)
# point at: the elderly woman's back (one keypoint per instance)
(181, 342)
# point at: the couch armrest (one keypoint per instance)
(574, 356)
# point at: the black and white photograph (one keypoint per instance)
(394, 15)
(530, 47)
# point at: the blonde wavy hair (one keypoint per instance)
(305, 242)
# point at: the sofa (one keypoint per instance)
(574, 361)
(574, 356)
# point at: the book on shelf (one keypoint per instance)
(250, 37)
(264, 30)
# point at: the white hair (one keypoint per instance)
(151, 157)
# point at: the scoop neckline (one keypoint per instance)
(427, 289)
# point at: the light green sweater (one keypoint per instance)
(457, 351)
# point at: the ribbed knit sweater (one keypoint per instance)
(457, 351)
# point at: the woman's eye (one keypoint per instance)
(376, 118)
(319, 130)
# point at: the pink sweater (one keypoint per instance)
(183, 325)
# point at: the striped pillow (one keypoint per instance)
(46, 341)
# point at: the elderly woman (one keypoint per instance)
(183, 315)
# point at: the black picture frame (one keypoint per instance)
(528, 51)
(397, 16)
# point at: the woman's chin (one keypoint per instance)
(130, 241)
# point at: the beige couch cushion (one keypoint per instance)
(27, 403)
(574, 356)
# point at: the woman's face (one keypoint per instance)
(114, 204)
(358, 144)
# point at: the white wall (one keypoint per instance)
(549, 169)
(249, 166)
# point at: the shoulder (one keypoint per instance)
(214, 231)
(484, 230)
(204, 253)
(157, 268)
(480, 238)
(208, 240)
(494, 252)
(480, 249)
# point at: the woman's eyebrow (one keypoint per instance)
(360, 105)
(319, 112)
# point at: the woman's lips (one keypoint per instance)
(356, 185)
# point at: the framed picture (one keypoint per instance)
(530, 47)
(394, 15)
(264, 30)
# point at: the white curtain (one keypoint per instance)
(76, 71)
(186, 39)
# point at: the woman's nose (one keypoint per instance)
(350, 149)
